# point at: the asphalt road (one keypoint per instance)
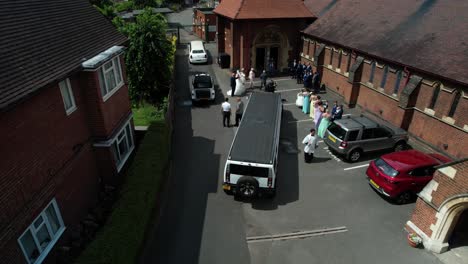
(201, 224)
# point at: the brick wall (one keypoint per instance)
(435, 131)
(45, 154)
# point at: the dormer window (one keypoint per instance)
(110, 77)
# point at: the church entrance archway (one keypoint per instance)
(270, 50)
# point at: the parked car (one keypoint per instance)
(353, 136)
(197, 52)
(202, 87)
(400, 175)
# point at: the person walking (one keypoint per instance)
(239, 110)
(310, 144)
(251, 77)
(233, 83)
(263, 78)
(226, 110)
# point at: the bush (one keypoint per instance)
(122, 237)
(124, 6)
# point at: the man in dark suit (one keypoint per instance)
(233, 83)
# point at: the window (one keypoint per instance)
(110, 77)
(39, 238)
(381, 132)
(422, 172)
(371, 77)
(384, 76)
(248, 170)
(337, 131)
(399, 74)
(331, 56)
(435, 95)
(385, 168)
(340, 55)
(348, 65)
(456, 99)
(123, 145)
(67, 96)
(352, 135)
(368, 133)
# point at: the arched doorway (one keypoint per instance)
(270, 49)
(458, 240)
(451, 226)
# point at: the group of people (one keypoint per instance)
(322, 119)
(304, 74)
(226, 111)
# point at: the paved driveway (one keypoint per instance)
(329, 199)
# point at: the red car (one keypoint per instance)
(400, 175)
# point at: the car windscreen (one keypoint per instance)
(337, 131)
(198, 51)
(202, 82)
(385, 168)
(248, 170)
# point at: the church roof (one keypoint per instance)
(428, 35)
(263, 9)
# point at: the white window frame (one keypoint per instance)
(53, 237)
(120, 160)
(65, 87)
(107, 91)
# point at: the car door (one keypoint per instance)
(420, 177)
(368, 141)
(383, 138)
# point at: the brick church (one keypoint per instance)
(405, 62)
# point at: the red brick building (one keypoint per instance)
(256, 33)
(440, 217)
(405, 62)
(204, 23)
(66, 121)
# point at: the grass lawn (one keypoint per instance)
(145, 114)
(121, 238)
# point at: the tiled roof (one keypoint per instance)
(428, 35)
(263, 9)
(42, 41)
(320, 7)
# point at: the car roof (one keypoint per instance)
(356, 122)
(409, 159)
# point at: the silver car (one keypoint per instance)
(353, 136)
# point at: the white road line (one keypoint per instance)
(289, 104)
(288, 90)
(297, 235)
(357, 167)
(346, 115)
(298, 121)
(321, 141)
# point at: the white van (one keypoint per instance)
(197, 52)
(251, 167)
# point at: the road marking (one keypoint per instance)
(297, 235)
(298, 121)
(357, 167)
(289, 104)
(288, 90)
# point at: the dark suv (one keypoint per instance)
(353, 136)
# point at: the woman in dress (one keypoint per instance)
(313, 101)
(324, 124)
(306, 103)
(240, 88)
(318, 113)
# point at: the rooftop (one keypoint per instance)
(43, 41)
(263, 9)
(428, 35)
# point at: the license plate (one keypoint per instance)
(226, 187)
(374, 184)
(332, 138)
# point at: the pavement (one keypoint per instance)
(329, 200)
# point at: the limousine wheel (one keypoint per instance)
(247, 187)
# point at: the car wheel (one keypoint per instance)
(404, 198)
(247, 187)
(354, 155)
(400, 146)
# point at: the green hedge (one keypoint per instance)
(121, 238)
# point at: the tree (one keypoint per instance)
(149, 58)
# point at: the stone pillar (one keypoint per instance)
(408, 99)
(354, 78)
